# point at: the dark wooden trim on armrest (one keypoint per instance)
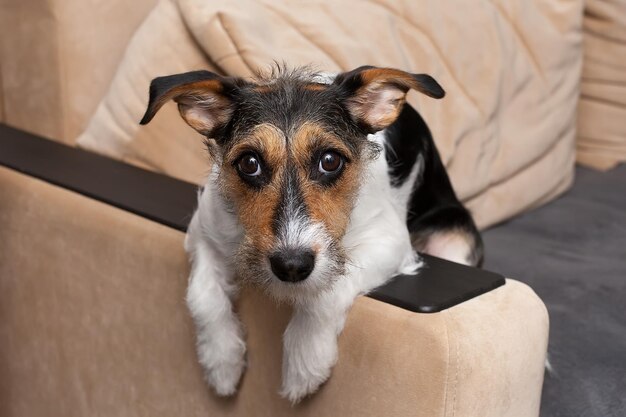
(157, 197)
(439, 285)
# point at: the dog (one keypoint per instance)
(322, 188)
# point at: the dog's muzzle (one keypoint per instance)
(292, 265)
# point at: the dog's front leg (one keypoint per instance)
(310, 341)
(220, 339)
(381, 248)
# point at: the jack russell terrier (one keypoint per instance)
(322, 188)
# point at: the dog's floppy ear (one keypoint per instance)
(204, 98)
(375, 96)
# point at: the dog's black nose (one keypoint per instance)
(293, 265)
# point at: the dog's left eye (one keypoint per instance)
(330, 162)
(249, 165)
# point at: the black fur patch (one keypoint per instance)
(433, 205)
(405, 139)
(429, 85)
(291, 201)
(287, 103)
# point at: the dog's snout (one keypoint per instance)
(292, 265)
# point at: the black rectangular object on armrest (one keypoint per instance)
(440, 284)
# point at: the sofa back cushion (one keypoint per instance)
(601, 141)
(58, 58)
(510, 68)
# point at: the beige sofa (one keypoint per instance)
(94, 323)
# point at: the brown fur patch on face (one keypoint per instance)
(328, 205)
(266, 140)
(256, 208)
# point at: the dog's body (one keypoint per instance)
(322, 189)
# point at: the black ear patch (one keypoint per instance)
(161, 88)
(429, 86)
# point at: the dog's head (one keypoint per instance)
(291, 149)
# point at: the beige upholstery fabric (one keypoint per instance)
(601, 139)
(505, 129)
(2, 117)
(93, 323)
(58, 58)
(161, 46)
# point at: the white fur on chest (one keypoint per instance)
(377, 237)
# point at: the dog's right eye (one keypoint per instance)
(249, 165)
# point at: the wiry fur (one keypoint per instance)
(360, 238)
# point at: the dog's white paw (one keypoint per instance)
(307, 363)
(225, 377)
(223, 363)
(297, 385)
